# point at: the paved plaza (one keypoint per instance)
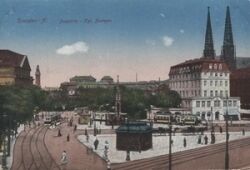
(40, 147)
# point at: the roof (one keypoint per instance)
(107, 78)
(198, 65)
(13, 59)
(83, 78)
(134, 127)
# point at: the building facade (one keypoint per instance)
(239, 86)
(14, 69)
(204, 83)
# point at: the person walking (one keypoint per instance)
(199, 139)
(64, 160)
(206, 139)
(87, 138)
(68, 137)
(75, 127)
(243, 132)
(220, 129)
(184, 142)
(96, 142)
(108, 165)
(59, 133)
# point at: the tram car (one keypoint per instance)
(162, 117)
(188, 120)
(51, 117)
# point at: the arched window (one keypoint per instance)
(215, 66)
(220, 66)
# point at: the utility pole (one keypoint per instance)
(170, 143)
(227, 137)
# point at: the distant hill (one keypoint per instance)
(243, 62)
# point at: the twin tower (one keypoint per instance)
(228, 48)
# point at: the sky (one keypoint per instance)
(116, 37)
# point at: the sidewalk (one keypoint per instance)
(78, 156)
(9, 159)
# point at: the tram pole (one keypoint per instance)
(227, 136)
(170, 143)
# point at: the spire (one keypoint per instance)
(38, 76)
(208, 51)
(228, 33)
(228, 48)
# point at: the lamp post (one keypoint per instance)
(212, 123)
(170, 143)
(94, 125)
(4, 163)
(227, 136)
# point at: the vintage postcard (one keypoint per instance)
(124, 84)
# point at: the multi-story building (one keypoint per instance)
(14, 69)
(204, 84)
(239, 86)
(108, 82)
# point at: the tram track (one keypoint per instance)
(179, 157)
(34, 152)
(25, 148)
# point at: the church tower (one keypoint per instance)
(228, 48)
(118, 98)
(38, 76)
(208, 51)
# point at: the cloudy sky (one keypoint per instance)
(110, 37)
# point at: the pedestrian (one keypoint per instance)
(59, 133)
(96, 142)
(243, 132)
(212, 138)
(75, 127)
(220, 129)
(206, 139)
(202, 131)
(87, 138)
(199, 139)
(64, 159)
(184, 142)
(108, 165)
(68, 138)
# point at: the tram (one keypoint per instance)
(188, 120)
(51, 117)
(162, 117)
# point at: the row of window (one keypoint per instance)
(215, 66)
(190, 93)
(216, 74)
(196, 75)
(215, 83)
(217, 103)
(195, 93)
(185, 76)
(215, 93)
(185, 84)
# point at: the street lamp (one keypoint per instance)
(212, 123)
(4, 163)
(170, 142)
(227, 136)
